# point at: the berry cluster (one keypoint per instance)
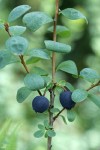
(41, 103)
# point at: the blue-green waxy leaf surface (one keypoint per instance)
(69, 67)
(73, 14)
(89, 74)
(34, 81)
(51, 133)
(38, 53)
(18, 12)
(69, 86)
(22, 94)
(39, 133)
(39, 71)
(17, 45)
(16, 30)
(35, 20)
(57, 47)
(71, 115)
(4, 58)
(79, 95)
(60, 30)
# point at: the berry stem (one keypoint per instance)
(55, 117)
(52, 95)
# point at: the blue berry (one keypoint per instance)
(40, 104)
(66, 100)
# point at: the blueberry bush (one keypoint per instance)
(37, 79)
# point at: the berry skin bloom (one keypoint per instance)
(66, 100)
(40, 104)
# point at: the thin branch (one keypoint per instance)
(20, 56)
(23, 63)
(52, 95)
(55, 117)
(25, 66)
(6, 25)
(54, 39)
(93, 85)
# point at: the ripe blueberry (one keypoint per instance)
(40, 104)
(66, 100)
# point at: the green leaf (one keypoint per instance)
(38, 53)
(39, 133)
(62, 82)
(73, 14)
(46, 80)
(69, 86)
(51, 133)
(60, 30)
(57, 47)
(22, 94)
(79, 95)
(95, 99)
(34, 82)
(39, 71)
(5, 57)
(35, 20)
(41, 127)
(64, 119)
(54, 110)
(89, 74)
(32, 60)
(46, 124)
(18, 12)
(17, 45)
(16, 30)
(69, 67)
(71, 115)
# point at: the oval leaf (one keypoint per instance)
(57, 47)
(95, 99)
(22, 94)
(32, 60)
(41, 127)
(79, 95)
(39, 71)
(69, 67)
(51, 133)
(18, 12)
(17, 45)
(71, 115)
(17, 30)
(73, 14)
(60, 30)
(34, 81)
(38, 53)
(35, 20)
(39, 133)
(64, 119)
(89, 74)
(5, 58)
(69, 86)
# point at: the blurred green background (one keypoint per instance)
(84, 132)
